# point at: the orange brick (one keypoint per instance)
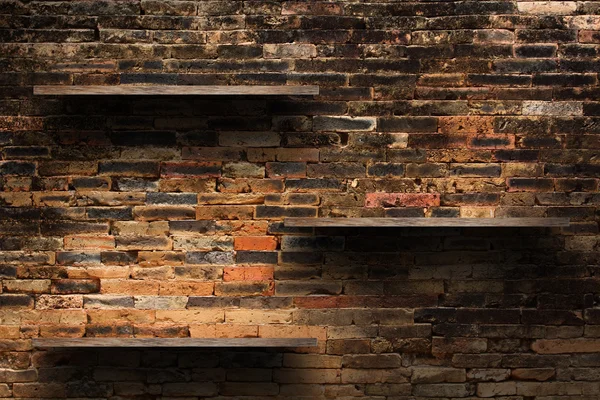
(192, 317)
(317, 302)
(101, 272)
(238, 228)
(298, 331)
(131, 287)
(477, 212)
(291, 331)
(225, 212)
(89, 242)
(53, 317)
(156, 258)
(186, 288)
(29, 331)
(255, 243)
(464, 124)
(236, 331)
(247, 274)
(246, 317)
(107, 316)
(566, 346)
(9, 332)
(203, 331)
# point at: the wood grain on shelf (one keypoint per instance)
(174, 342)
(177, 90)
(425, 222)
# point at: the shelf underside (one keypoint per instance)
(157, 90)
(174, 342)
(425, 222)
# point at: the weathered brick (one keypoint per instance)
(154, 213)
(560, 346)
(547, 7)
(401, 200)
(248, 274)
(175, 205)
(443, 389)
(549, 108)
(407, 124)
(287, 169)
(289, 51)
(195, 169)
(343, 124)
(437, 375)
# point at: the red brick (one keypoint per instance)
(255, 243)
(462, 124)
(247, 274)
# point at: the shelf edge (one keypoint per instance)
(172, 342)
(426, 222)
(175, 90)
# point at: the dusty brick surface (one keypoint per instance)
(150, 216)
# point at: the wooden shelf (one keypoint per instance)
(173, 342)
(425, 222)
(159, 90)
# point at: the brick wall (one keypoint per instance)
(161, 216)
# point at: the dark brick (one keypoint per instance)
(286, 169)
(386, 170)
(16, 301)
(68, 286)
(536, 50)
(530, 184)
(279, 212)
(17, 168)
(256, 257)
(407, 124)
(129, 168)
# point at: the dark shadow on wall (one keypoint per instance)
(149, 374)
(429, 296)
(400, 291)
(255, 121)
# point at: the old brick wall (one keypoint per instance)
(161, 216)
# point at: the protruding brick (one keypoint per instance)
(289, 51)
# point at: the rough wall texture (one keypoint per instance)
(161, 216)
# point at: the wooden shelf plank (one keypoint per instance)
(425, 222)
(173, 342)
(156, 90)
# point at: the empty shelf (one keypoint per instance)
(425, 222)
(174, 342)
(176, 90)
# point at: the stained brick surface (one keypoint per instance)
(162, 216)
